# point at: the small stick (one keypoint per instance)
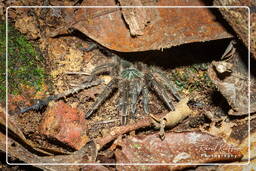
(161, 121)
(77, 73)
(117, 131)
(106, 122)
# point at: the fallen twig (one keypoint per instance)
(78, 73)
(117, 131)
(170, 119)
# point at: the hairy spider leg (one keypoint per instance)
(100, 70)
(44, 102)
(103, 68)
(39, 105)
(133, 77)
(84, 85)
(134, 92)
(107, 67)
(143, 87)
(169, 85)
(159, 89)
(102, 97)
(145, 99)
(123, 103)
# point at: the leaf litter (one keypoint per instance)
(141, 136)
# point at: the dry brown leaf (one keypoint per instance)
(231, 78)
(223, 131)
(244, 146)
(174, 117)
(183, 147)
(160, 28)
(13, 130)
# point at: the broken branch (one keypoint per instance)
(170, 119)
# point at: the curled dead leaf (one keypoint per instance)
(231, 78)
(174, 117)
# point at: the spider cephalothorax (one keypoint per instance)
(131, 80)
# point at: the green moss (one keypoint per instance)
(137, 146)
(192, 78)
(24, 62)
(2, 61)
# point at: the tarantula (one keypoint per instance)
(131, 80)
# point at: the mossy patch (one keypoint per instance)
(2, 60)
(25, 64)
(192, 78)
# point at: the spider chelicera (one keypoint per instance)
(131, 80)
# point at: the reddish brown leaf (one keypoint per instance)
(183, 147)
(166, 28)
(94, 168)
(137, 18)
(66, 124)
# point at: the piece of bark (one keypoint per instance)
(137, 18)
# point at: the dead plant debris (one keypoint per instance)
(192, 147)
(199, 130)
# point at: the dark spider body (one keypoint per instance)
(131, 80)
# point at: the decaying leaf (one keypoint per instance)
(158, 28)
(182, 147)
(246, 143)
(223, 130)
(66, 124)
(238, 19)
(18, 151)
(13, 130)
(231, 77)
(241, 130)
(24, 150)
(174, 117)
(137, 18)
